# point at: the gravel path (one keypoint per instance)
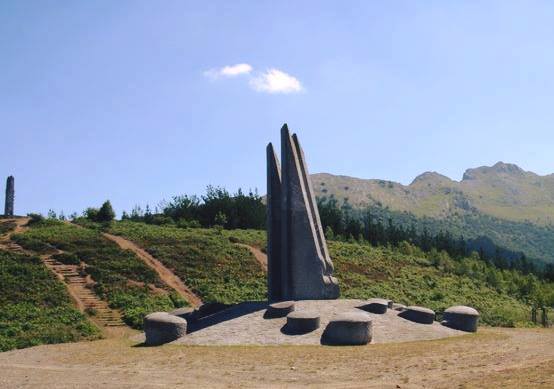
(244, 324)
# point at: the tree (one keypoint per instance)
(220, 219)
(105, 213)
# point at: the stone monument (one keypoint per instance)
(299, 266)
(10, 196)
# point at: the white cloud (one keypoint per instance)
(276, 81)
(228, 71)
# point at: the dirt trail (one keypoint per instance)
(492, 358)
(5, 240)
(164, 273)
(258, 254)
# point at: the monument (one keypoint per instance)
(299, 266)
(10, 196)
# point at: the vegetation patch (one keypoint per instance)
(35, 308)
(121, 278)
(205, 259)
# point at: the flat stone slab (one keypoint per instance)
(417, 314)
(376, 305)
(244, 324)
(398, 307)
(280, 309)
(301, 322)
(162, 327)
(462, 318)
(349, 328)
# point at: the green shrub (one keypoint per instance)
(35, 308)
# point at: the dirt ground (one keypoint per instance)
(493, 357)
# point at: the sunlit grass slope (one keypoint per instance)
(35, 307)
(121, 278)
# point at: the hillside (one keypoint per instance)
(512, 207)
(35, 308)
(218, 269)
(116, 276)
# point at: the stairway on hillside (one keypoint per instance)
(11, 246)
(77, 283)
(70, 275)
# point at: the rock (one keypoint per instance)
(390, 304)
(350, 328)
(398, 307)
(461, 318)
(376, 305)
(184, 312)
(301, 322)
(280, 309)
(418, 314)
(161, 327)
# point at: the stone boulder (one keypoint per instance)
(302, 322)
(376, 305)
(349, 328)
(398, 307)
(162, 327)
(280, 309)
(461, 318)
(418, 314)
(184, 312)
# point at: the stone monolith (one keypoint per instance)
(299, 266)
(10, 196)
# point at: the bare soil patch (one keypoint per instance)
(494, 357)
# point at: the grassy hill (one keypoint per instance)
(512, 207)
(122, 279)
(35, 307)
(218, 270)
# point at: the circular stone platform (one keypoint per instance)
(418, 314)
(301, 322)
(161, 327)
(280, 309)
(349, 328)
(375, 305)
(461, 318)
(244, 324)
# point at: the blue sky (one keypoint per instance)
(137, 101)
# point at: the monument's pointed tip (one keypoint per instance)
(285, 129)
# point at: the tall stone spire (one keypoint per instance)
(305, 270)
(274, 278)
(10, 196)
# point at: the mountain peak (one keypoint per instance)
(499, 168)
(430, 177)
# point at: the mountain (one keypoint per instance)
(504, 191)
(512, 207)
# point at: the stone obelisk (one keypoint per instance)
(10, 196)
(299, 266)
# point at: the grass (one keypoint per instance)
(205, 259)
(365, 271)
(121, 278)
(35, 308)
(216, 269)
